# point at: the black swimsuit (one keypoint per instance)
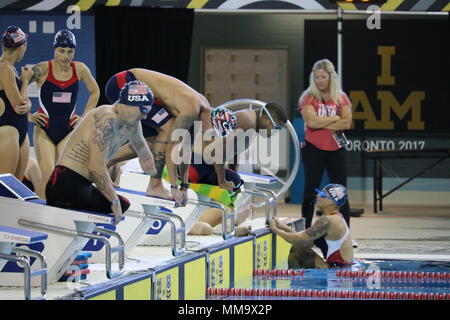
(68, 189)
(11, 118)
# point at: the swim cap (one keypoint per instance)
(65, 39)
(223, 121)
(337, 192)
(14, 37)
(136, 93)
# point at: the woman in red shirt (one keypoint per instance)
(326, 111)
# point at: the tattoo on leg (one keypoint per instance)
(160, 162)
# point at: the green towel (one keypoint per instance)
(216, 193)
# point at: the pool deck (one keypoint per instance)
(398, 232)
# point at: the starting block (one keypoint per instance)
(68, 231)
(9, 238)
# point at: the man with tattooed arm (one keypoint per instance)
(331, 225)
(94, 141)
(176, 107)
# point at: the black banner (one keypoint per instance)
(396, 78)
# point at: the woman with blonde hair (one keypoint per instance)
(326, 111)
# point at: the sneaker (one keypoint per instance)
(355, 244)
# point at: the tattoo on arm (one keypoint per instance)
(105, 130)
(38, 71)
(319, 228)
(98, 179)
(182, 122)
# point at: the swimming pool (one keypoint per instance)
(366, 279)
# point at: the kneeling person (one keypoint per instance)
(330, 225)
(90, 146)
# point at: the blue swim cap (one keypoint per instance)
(14, 37)
(65, 39)
(337, 192)
(136, 93)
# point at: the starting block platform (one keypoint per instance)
(153, 273)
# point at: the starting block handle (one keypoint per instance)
(268, 200)
(108, 253)
(156, 212)
(86, 235)
(120, 249)
(41, 272)
(26, 271)
(273, 200)
(227, 218)
(174, 233)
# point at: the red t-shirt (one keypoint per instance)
(322, 138)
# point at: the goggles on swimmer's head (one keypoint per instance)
(275, 126)
(145, 109)
(322, 194)
(336, 193)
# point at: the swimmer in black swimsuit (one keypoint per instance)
(14, 104)
(59, 80)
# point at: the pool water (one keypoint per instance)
(332, 284)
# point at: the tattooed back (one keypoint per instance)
(97, 137)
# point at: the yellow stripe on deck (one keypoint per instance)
(137, 291)
(195, 279)
(347, 5)
(85, 4)
(196, 4)
(110, 295)
(391, 5)
(112, 3)
(243, 262)
(447, 7)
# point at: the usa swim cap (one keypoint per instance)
(136, 93)
(337, 192)
(65, 39)
(14, 37)
(223, 121)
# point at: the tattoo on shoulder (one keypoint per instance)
(105, 129)
(319, 228)
(38, 71)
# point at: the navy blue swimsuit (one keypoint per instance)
(158, 115)
(11, 118)
(57, 101)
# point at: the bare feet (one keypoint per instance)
(201, 229)
(160, 192)
(241, 231)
